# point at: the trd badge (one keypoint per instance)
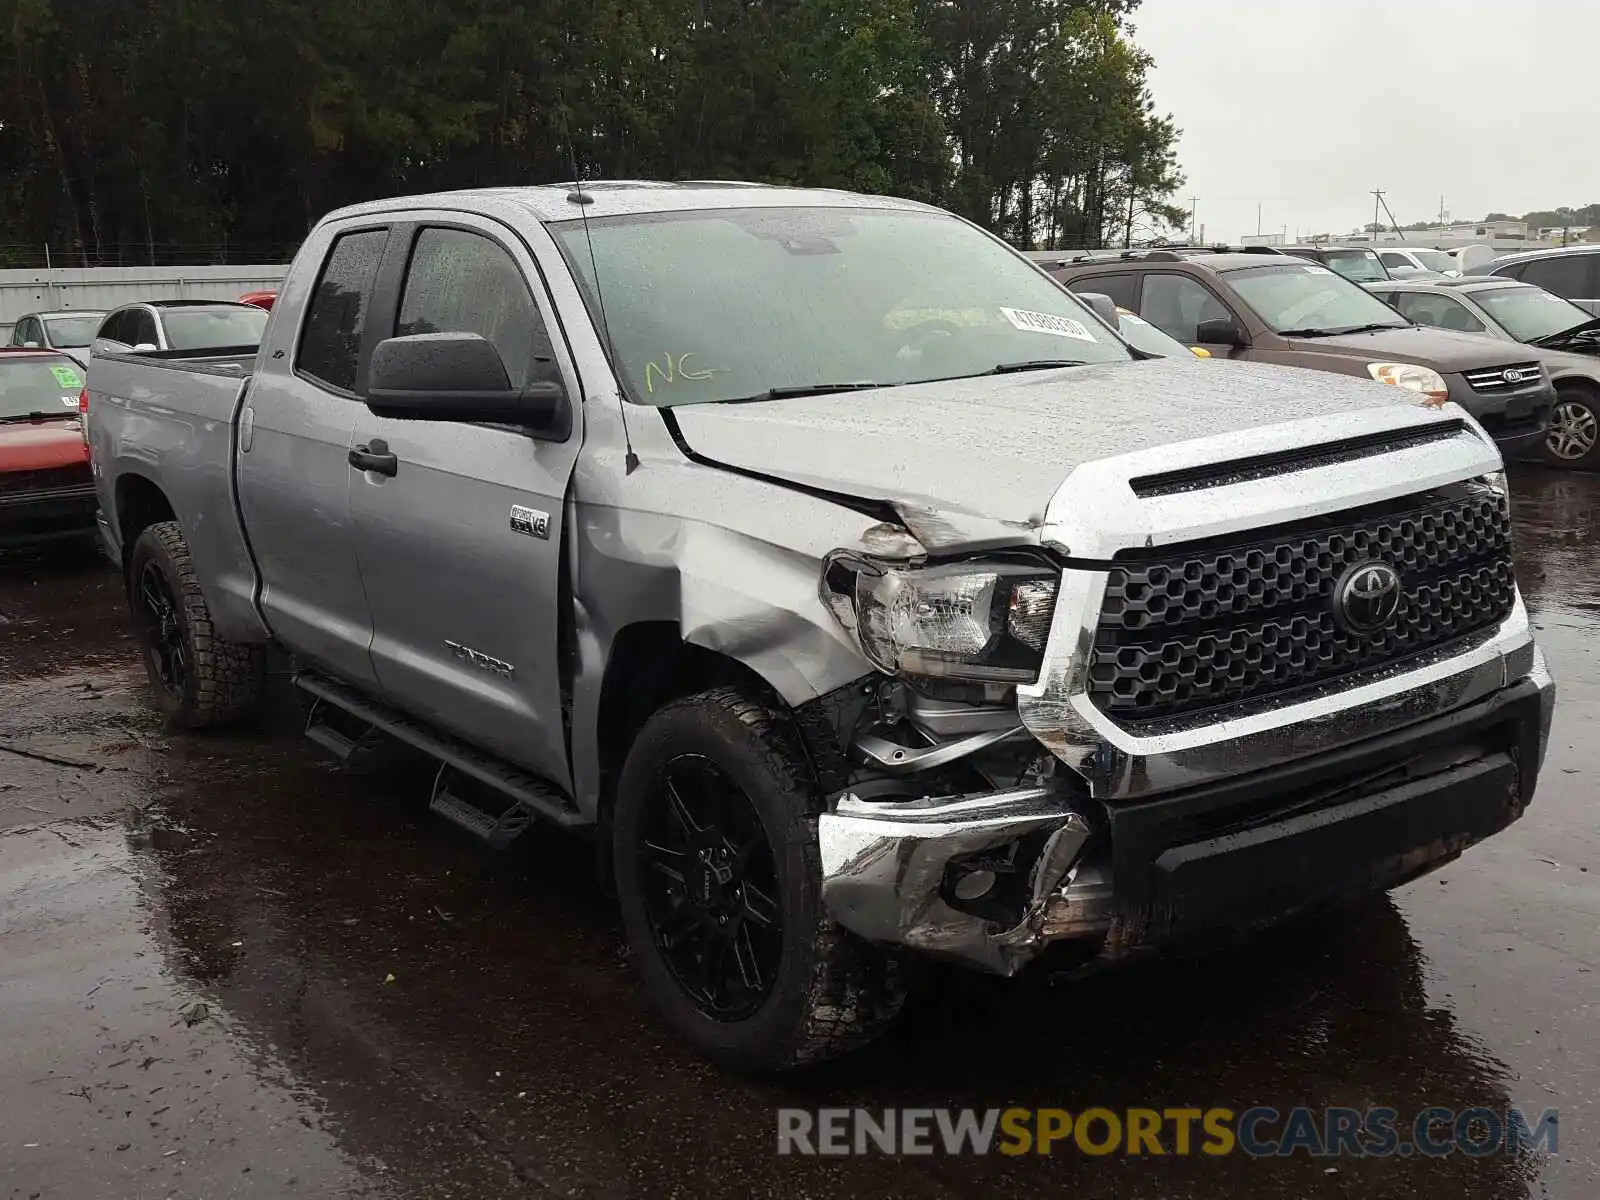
(530, 522)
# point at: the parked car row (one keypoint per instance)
(46, 492)
(1497, 302)
(862, 593)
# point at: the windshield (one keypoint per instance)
(214, 328)
(73, 332)
(1528, 312)
(734, 303)
(1435, 260)
(1307, 297)
(40, 384)
(1361, 265)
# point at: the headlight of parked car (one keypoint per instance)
(970, 620)
(1413, 378)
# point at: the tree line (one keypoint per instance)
(181, 131)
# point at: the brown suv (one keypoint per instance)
(1263, 306)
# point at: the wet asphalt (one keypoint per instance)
(229, 968)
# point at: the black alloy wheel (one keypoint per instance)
(709, 882)
(164, 639)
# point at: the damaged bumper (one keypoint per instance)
(990, 880)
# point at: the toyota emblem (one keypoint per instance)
(1367, 597)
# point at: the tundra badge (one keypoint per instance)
(482, 661)
(530, 522)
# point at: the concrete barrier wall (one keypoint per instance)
(26, 291)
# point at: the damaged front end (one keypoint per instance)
(956, 834)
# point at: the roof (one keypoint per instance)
(52, 313)
(1212, 261)
(1467, 283)
(1323, 248)
(193, 304)
(1530, 255)
(34, 351)
(628, 197)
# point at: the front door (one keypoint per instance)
(294, 471)
(460, 548)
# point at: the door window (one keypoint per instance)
(330, 346)
(116, 326)
(464, 282)
(27, 332)
(142, 331)
(1123, 289)
(1177, 305)
(1392, 259)
(1442, 312)
(1565, 275)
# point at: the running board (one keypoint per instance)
(529, 795)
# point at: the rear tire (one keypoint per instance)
(199, 679)
(719, 880)
(1573, 442)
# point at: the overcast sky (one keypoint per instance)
(1305, 106)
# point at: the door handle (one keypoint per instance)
(375, 457)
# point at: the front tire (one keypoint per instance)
(719, 881)
(199, 679)
(1574, 438)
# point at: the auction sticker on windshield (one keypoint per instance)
(67, 378)
(1038, 322)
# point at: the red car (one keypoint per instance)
(259, 299)
(46, 488)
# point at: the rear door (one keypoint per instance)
(294, 446)
(460, 549)
(1574, 276)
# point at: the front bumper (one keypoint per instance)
(1516, 420)
(1122, 878)
(30, 517)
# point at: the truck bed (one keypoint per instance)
(234, 361)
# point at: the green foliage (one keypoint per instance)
(194, 130)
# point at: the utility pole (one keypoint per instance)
(1258, 220)
(1194, 205)
(1377, 199)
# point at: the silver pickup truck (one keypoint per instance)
(855, 585)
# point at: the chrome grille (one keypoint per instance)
(1494, 379)
(1219, 625)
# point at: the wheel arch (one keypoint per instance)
(139, 503)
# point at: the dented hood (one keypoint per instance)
(987, 453)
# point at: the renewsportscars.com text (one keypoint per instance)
(1259, 1132)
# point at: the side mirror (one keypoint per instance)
(1104, 307)
(1220, 331)
(459, 377)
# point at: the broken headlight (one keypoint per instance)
(970, 620)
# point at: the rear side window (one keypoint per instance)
(111, 331)
(1568, 275)
(462, 282)
(1123, 289)
(330, 347)
(1391, 259)
(140, 327)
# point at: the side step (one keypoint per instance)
(462, 768)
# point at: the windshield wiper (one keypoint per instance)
(1316, 333)
(1583, 329)
(38, 416)
(793, 390)
(1033, 364)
